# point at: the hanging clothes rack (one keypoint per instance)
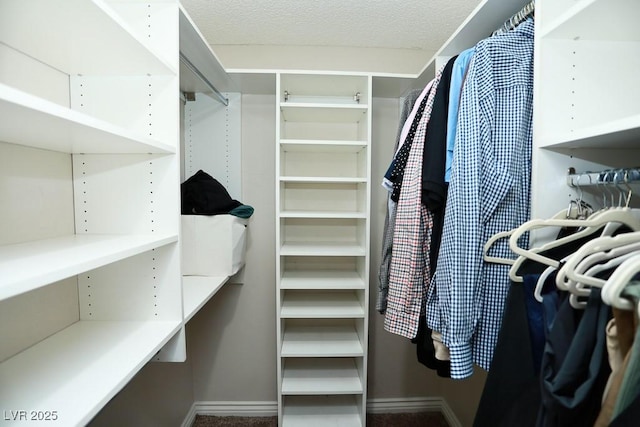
(517, 19)
(218, 95)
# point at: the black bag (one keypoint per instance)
(202, 194)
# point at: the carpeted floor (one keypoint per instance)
(421, 419)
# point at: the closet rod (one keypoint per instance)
(606, 177)
(206, 81)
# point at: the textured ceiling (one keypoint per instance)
(394, 24)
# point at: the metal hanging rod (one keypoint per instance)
(206, 81)
(606, 177)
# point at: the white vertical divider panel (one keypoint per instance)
(122, 194)
(279, 203)
(213, 140)
(150, 20)
(36, 194)
(147, 105)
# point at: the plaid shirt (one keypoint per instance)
(489, 193)
(409, 271)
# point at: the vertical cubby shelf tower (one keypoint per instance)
(322, 256)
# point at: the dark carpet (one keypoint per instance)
(420, 419)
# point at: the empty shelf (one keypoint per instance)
(321, 279)
(78, 370)
(320, 376)
(321, 341)
(197, 290)
(27, 266)
(323, 113)
(317, 411)
(301, 304)
(322, 249)
(65, 130)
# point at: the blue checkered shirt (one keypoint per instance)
(489, 192)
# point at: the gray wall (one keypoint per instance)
(231, 341)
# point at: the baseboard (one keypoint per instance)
(374, 406)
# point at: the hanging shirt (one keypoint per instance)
(390, 218)
(489, 193)
(458, 74)
(407, 119)
(409, 273)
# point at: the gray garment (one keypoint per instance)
(390, 218)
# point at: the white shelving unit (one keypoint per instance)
(577, 123)
(322, 228)
(89, 126)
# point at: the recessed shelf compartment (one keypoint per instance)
(323, 160)
(322, 338)
(321, 279)
(322, 411)
(321, 304)
(65, 130)
(323, 272)
(323, 113)
(330, 199)
(315, 87)
(27, 266)
(314, 376)
(79, 369)
(308, 236)
(62, 41)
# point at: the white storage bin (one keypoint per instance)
(213, 245)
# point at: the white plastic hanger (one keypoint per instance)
(613, 287)
(595, 251)
(576, 209)
(582, 290)
(625, 216)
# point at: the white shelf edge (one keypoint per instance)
(321, 249)
(609, 133)
(323, 179)
(47, 376)
(28, 266)
(321, 105)
(319, 307)
(197, 291)
(320, 214)
(75, 132)
(327, 142)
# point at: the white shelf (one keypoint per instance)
(323, 113)
(197, 291)
(621, 133)
(321, 341)
(323, 179)
(322, 249)
(320, 376)
(617, 21)
(321, 214)
(28, 120)
(27, 266)
(312, 145)
(340, 411)
(78, 370)
(317, 305)
(321, 279)
(62, 39)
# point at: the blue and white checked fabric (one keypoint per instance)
(409, 271)
(489, 193)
